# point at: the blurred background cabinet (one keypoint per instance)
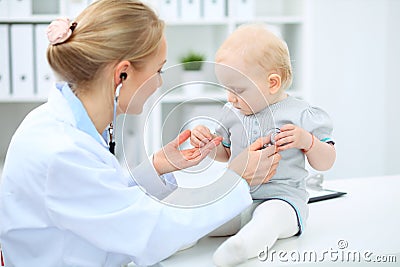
(191, 25)
(25, 76)
(345, 57)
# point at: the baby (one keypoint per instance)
(254, 66)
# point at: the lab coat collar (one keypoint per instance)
(81, 118)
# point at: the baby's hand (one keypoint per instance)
(292, 136)
(200, 136)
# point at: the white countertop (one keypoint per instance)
(366, 220)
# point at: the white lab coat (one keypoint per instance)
(64, 199)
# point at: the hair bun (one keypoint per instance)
(60, 30)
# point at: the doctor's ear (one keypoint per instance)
(274, 81)
(121, 71)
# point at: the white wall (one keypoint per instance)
(392, 130)
(353, 60)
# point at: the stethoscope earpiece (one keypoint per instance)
(123, 75)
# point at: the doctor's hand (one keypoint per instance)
(170, 158)
(256, 164)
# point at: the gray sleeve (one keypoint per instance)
(317, 121)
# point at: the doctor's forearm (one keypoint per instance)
(147, 177)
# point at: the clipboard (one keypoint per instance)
(323, 194)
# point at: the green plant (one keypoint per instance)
(192, 61)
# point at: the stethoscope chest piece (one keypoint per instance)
(272, 133)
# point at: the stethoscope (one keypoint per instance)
(272, 132)
(111, 134)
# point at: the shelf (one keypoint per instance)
(23, 100)
(281, 19)
(230, 21)
(41, 19)
(199, 22)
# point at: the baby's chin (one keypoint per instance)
(245, 112)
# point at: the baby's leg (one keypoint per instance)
(234, 225)
(272, 220)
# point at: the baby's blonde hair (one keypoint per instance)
(257, 45)
(107, 31)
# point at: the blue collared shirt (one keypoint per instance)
(83, 122)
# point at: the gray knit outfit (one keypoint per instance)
(288, 184)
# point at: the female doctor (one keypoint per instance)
(64, 198)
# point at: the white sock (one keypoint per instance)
(272, 220)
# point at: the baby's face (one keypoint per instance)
(247, 86)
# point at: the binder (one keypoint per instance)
(241, 9)
(44, 74)
(190, 9)
(19, 8)
(4, 63)
(168, 9)
(22, 61)
(3, 9)
(214, 9)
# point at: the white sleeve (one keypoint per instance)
(146, 177)
(317, 121)
(90, 199)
